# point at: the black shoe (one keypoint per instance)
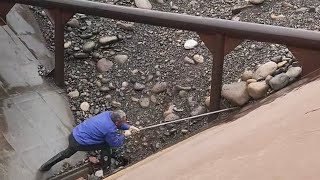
(54, 160)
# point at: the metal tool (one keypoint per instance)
(183, 119)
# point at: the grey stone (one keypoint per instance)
(256, 2)
(247, 74)
(258, 90)
(190, 44)
(279, 81)
(268, 78)
(159, 87)
(104, 65)
(186, 88)
(199, 110)
(73, 23)
(143, 4)
(80, 55)
(171, 117)
(144, 102)
(198, 58)
(138, 86)
(264, 70)
(121, 59)
(153, 99)
(276, 59)
(293, 73)
(183, 93)
(184, 131)
(188, 60)
(74, 94)
(125, 26)
(104, 89)
(236, 93)
(160, 1)
(108, 40)
(88, 46)
(116, 104)
(251, 81)
(282, 63)
(207, 101)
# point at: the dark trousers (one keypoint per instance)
(73, 147)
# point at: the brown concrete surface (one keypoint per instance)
(277, 141)
(35, 118)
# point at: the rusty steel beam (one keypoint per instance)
(242, 30)
(308, 59)
(216, 45)
(59, 50)
(5, 7)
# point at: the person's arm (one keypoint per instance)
(124, 126)
(114, 140)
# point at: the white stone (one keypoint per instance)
(190, 44)
(143, 4)
(198, 58)
(246, 75)
(84, 106)
(171, 117)
(121, 59)
(256, 1)
(99, 173)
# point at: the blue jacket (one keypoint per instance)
(99, 129)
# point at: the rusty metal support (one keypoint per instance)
(59, 50)
(216, 45)
(308, 59)
(5, 7)
(59, 18)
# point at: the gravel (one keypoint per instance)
(156, 55)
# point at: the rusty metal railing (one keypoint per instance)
(220, 36)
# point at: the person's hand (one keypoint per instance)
(134, 129)
(127, 133)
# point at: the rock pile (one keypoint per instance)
(271, 76)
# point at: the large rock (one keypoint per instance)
(264, 70)
(159, 87)
(88, 46)
(236, 93)
(279, 81)
(143, 4)
(258, 90)
(104, 65)
(293, 73)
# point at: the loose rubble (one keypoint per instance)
(151, 62)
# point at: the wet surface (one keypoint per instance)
(276, 140)
(22, 21)
(35, 118)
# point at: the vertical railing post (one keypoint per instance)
(219, 45)
(216, 74)
(5, 7)
(59, 50)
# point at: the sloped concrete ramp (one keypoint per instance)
(277, 141)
